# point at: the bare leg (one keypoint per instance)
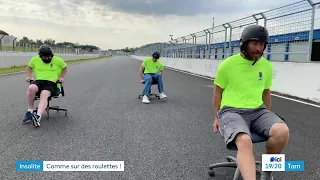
(31, 94)
(43, 101)
(279, 137)
(245, 157)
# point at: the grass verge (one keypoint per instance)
(23, 68)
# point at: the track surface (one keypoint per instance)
(167, 139)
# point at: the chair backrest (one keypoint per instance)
(256, 138)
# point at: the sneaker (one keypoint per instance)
(27, 117)
(266, 175)
(36, 120)
(145, 99)
(162, 95)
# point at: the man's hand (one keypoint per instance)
(28, 79)
(61, 79)
(216, 126)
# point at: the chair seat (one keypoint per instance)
(154, 81)
(258, 138)
(58, 92)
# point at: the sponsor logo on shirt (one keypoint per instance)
(260, 76)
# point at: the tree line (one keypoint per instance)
(127, 49)
(53, 43)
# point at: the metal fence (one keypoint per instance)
(10, 43)
(291, 29)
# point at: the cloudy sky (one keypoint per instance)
(121, 23)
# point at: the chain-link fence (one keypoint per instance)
(292, 29)
(11, 43)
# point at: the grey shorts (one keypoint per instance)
(234, 121)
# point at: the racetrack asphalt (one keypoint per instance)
(167, 139)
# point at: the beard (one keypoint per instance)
(46, 60)
(255, 56)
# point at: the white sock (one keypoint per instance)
(30, 110)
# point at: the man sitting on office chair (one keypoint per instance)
(47, 70)
(151, 68)
(242, 102)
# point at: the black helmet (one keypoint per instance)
(253, 33)
(45, 50)
(156, 55)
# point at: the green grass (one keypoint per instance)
(23, 68)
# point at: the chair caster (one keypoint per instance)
(231, 159)
(211, 173)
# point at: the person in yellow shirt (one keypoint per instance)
(151, 68)
(48, 69)
(242, 102)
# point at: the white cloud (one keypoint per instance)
(88, 22)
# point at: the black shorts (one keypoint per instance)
(45, 85)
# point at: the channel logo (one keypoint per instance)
(273, 162)
(275, 159)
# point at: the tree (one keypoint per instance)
(126, 49)
(39, 42)
(3, 32)
(49, 41)
(76, 45)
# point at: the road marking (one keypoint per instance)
(12, 73)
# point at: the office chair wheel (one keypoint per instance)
(231, 159)
(211, 173)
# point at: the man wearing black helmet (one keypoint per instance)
(242, 102)
(151, 68)
(48, 69)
